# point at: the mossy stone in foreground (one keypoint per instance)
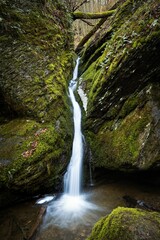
(127, 224)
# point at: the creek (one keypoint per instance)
(71, 215)
(107, 194)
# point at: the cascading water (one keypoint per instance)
(72, 178)
(70, 209)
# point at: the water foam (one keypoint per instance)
(70, 211)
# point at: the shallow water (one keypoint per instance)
(97, 201)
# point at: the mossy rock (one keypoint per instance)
(129, 139)
(36, 46)
(121, 79)
(33, 155)
(127, 224)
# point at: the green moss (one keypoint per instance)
(118, 144)
(20, 127)
(37, 44)
(126, 136)
(93, 56)
(46, 45)
(35, 155)
(120, 111)
(51, 67)
(127, 224)
(129, 36)
(129, 105)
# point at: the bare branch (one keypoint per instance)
(76, 7)
(89, 23)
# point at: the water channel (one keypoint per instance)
(107, 194)
(70, 215)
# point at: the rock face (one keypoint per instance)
(36, 64)
(120, 75)
(127, 224)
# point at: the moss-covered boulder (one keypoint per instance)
(127, 224)
(33, 155)
(36, 62)
(121, 72)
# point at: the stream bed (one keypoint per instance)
(16, 222)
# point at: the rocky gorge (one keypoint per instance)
(119, 74)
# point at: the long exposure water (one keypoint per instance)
(107, 192)
(72, 215)
(72, 178)
(70, 209)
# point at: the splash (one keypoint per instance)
(70, 212)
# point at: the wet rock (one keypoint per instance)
(122, 85)
(127, 224)
(132, 202)
(21, 222)
(36, 53)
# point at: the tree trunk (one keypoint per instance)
(81, 15)
(90, 34)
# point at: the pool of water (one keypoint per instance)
(99, 201)
(59, 223)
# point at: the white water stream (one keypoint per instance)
(70, 209)
(72, 178)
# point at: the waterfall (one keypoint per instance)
(72, 208)
(72, 178)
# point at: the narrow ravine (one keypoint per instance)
(80, 148)
(71, 208)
